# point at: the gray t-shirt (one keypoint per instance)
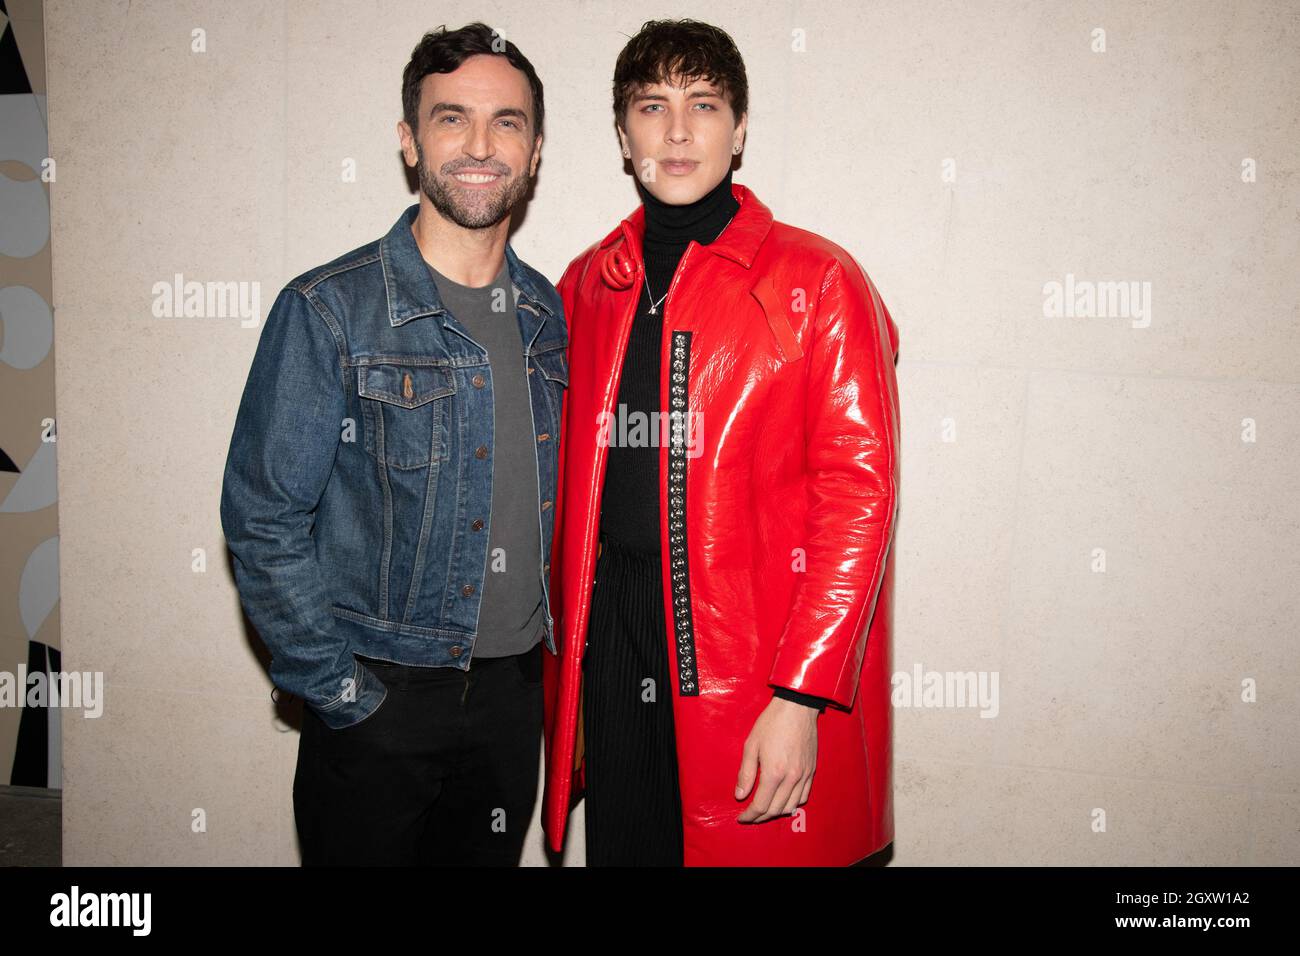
(510, 616)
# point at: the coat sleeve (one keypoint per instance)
(282, 451)
(567, 287)
(851, 461)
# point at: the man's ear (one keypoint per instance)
(406, 139)
(537, 156)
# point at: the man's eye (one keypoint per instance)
(708, 106)
(447, 118)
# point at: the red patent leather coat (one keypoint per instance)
(777, 511)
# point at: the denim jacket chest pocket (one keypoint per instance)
(554, 364)
(406, 408)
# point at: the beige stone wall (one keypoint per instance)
(1098, 514)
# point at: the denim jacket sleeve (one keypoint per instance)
(282, 452)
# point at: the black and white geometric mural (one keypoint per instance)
(29, 556)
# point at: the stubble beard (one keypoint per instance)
(468, 211)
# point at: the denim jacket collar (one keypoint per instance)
(411, 291)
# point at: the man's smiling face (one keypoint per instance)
(475, 148)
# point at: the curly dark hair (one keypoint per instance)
(687, 49)
(443, 51)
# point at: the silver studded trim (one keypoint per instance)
(678, 380)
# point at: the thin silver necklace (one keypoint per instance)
(654, 305)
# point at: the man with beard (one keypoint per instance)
(389, 492)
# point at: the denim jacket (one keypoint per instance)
(358, 487)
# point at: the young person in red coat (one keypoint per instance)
(722, 568)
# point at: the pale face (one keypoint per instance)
(681, 139)
(474, 149)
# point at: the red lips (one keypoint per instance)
(617, 268)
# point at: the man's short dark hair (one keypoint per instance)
(443, 51)
(687, 50)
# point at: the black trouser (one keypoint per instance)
(444, 773)
(634, 807)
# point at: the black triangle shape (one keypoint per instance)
(7, 463)
(31, 767)
(13, 77)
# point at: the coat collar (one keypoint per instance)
(739, 241)
(410, 288)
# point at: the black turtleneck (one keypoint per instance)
(701, 220)
(630, 500)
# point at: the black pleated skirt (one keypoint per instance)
(633, 804)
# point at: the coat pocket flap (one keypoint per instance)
(778, 319)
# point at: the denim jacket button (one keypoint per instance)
(478, 524)
(455, 650)
(480, 451)
(545, 505)
(467, 590)
(478, 381)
